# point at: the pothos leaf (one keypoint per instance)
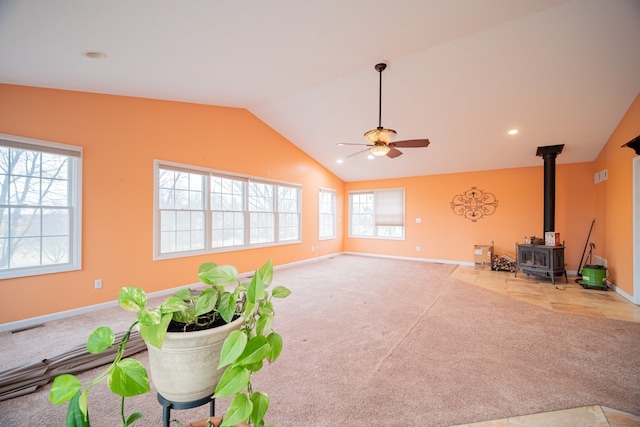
(206, 266)
(227, 306)
(266, 273)
(206, 301)
(275, 341)
(132, 298)
(233, 380)
(221, 275)
(256, 350)
(154, 334)
(133, 418)
(100, 339)
(255, 292)
(263, 325)
(280, 292)
(239, 411)
(64, 387)
(173, 304)
(75, 416)
(260, 406)
(129, 378)
(232, 347)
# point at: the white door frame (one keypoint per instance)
(636, 230)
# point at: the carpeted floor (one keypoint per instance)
(387, 342)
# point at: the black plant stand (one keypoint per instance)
(167, 405)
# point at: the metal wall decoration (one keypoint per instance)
(474, 204)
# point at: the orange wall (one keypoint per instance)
(614, 201)
(446, 236)
(121, 136)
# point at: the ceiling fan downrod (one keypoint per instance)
(380, 68)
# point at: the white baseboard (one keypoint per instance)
(308, 260)
(439, 261)
(620, 292)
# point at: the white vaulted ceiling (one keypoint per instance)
(461, 73)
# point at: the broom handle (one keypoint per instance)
(585, 246)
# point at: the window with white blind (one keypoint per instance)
(327, 214)
(377, 214)
(202, 211)
(40, 207)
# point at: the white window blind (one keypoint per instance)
(389, 207)
(377, 214)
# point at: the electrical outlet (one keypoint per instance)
(98, 284)
(418, 248)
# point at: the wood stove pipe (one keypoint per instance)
(549, 154)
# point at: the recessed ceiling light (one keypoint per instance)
(94, 54)
(513, 131)
(339, 144)
(340, 161)
(371, 157)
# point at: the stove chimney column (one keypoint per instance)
(549, 154)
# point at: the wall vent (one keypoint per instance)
(15, 331)
(601, 176)
(600, 261)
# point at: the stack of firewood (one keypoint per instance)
(506, 262)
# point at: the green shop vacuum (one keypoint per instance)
(591, 276)
(594, 277)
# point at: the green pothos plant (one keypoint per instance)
(244, 352)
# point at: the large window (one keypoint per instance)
(377, 214)
(181, 202)
(227, 207)
(288, 213)
(40, 219)
(327, 214)
(203, 211)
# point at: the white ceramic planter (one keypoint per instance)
(185, 369)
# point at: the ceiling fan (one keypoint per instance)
(380, 140)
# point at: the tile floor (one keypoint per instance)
(569, 298)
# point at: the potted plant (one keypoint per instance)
(246, 311)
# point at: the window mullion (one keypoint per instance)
(276, 213)
(247, 214)
(208, 214)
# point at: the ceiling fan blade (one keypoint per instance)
(353, 143)
(411, 143)
(357, 152)
(393, 153)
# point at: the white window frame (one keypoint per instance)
(236, 213)
(262, 219)
(327, 214)
(386, 222)
(74, 206)
(181, 207)
(288, 213)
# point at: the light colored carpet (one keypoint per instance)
(387, 342)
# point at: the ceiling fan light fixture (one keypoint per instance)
(380, 135)
(380, 149)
